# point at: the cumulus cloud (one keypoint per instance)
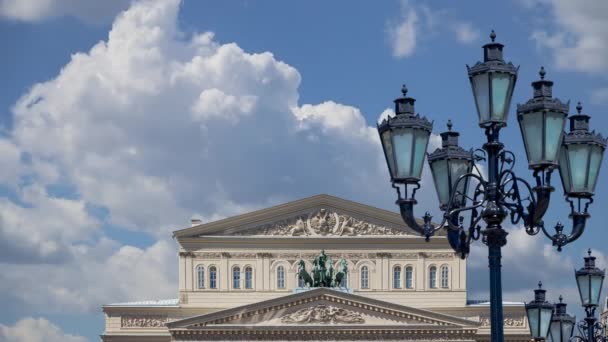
(419, 22)
(90, 11)
(105, 272)
(577, 35)
(36, 330)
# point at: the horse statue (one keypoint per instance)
(302, 274)
(323, 273)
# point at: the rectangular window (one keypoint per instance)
(409, 282)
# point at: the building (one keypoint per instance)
(604, 317)
(238, 281)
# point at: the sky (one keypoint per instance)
(120, 121)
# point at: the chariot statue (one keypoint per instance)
(323, 273)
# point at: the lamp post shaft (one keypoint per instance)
(495, 237)
(590, 327)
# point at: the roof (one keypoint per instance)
(266, 215)
(484, 302)
(148, 303)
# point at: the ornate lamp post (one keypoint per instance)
(589, 280)
(502, 194)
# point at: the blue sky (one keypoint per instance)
(116, 131)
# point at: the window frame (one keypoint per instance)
(445, 278)
(213, 277)
(412, 284)
(236, 277)
(250, 280)
(364, 281)
(433, 277)
(200, 277)
(397, 277)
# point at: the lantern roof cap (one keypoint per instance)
(589, 267)
(449, 147)
(579, 130)
(542, 98)
(492, 60)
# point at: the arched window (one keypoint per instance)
(212, 277)
(364, 277)
(280, 277)
(433, 277)
(236, 277)
(200, 276)
(397, 277)
(445, 272)
(409, 277)
(248, 277)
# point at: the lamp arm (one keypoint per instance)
(406, 207)
(456, 210)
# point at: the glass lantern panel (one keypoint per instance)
(554, 128)
(555, 331)
(482, 96)
(388, 151)
(583, 288)
(459, 167)
(402, 143)
(596, 288)
(532, 126)
(597, 153)
(578, 155)
(545, 321)
(567, 329)
(421, 139)
(533, 317)
(439, 168)
(564, 170)
(500, 89)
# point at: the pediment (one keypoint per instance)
(316, 216)
(321, 308)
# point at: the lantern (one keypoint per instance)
(492, 82)
(542, 121)
(539, 313)
(404, 140)
(580, 157)
(447, 164)
(589, 280)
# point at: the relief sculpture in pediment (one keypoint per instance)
(323, 314)
(322, 222)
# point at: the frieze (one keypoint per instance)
(405, 255)
(322, 222)
(147, 321)
(323, 314)
(511, 322)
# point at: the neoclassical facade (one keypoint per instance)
(238, 280)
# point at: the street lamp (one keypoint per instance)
(562, 324)
(502, 194)
(540, 313)
(589, 280)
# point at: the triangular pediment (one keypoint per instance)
(323, 307)
(316, 216)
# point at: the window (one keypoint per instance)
(280, 277)
(397, 277)
(236, 277)
(409, 277)
(248, 278)
(212, 277)
(433, 277)
(364, 277)
(200, 272)
(444, 276)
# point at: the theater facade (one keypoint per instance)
(238, 281)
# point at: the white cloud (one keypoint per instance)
(105, 272)
(419, 22)
(403, 36)
(90, 11)
(577, 37)
(36, 330)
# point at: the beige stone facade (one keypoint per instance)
(238, 281)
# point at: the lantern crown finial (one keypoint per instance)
(493, 36)
(540, 284)
(579, 107)
(404, 90)
(561, 298)
(542, 73)
(449, 124)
